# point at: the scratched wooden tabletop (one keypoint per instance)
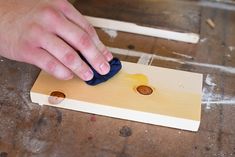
(30, 130)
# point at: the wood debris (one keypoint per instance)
(210, 23)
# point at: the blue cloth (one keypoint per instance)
(115, 67)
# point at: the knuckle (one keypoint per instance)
(105, 51)
(81, 68)
(32, 35)
(50, 65)
(91, 30)
(25, 57)
(107, 54)
(97, 60)
(98, 57)
(63, 5)
(102, 48)
(69, 58)
(35, 29)
(84, 41)
(50, 14)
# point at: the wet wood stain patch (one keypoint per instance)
(141, 84)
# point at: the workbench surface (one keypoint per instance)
(30, 130)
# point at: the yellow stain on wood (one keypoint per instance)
(138, 78)
(141, 82)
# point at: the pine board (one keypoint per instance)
(175, 101)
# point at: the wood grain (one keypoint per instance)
(175, 101)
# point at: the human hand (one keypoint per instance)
(47, 33)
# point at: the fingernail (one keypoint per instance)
(104, 67)
(88, 75)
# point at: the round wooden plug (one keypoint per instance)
(56, 97)
(144, 90)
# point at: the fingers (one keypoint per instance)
(64, 33)
(42, 59)
(76, 17)
(66, 55)
(82, 41)
(47, 32)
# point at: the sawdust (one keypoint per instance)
(112, 33)
(209, 81)
(228, 55)
(211, 23)
(34, 145)
(208, 91)
(211, 98)
(203, 40)
(231, 48)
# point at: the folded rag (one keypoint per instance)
(115, 67)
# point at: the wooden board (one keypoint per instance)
(143, 30)
(166, 19)
(175, 101)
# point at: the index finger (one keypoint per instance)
(76, 17)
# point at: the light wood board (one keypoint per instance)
(143, 30)
(175, 101)
(165, 19)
